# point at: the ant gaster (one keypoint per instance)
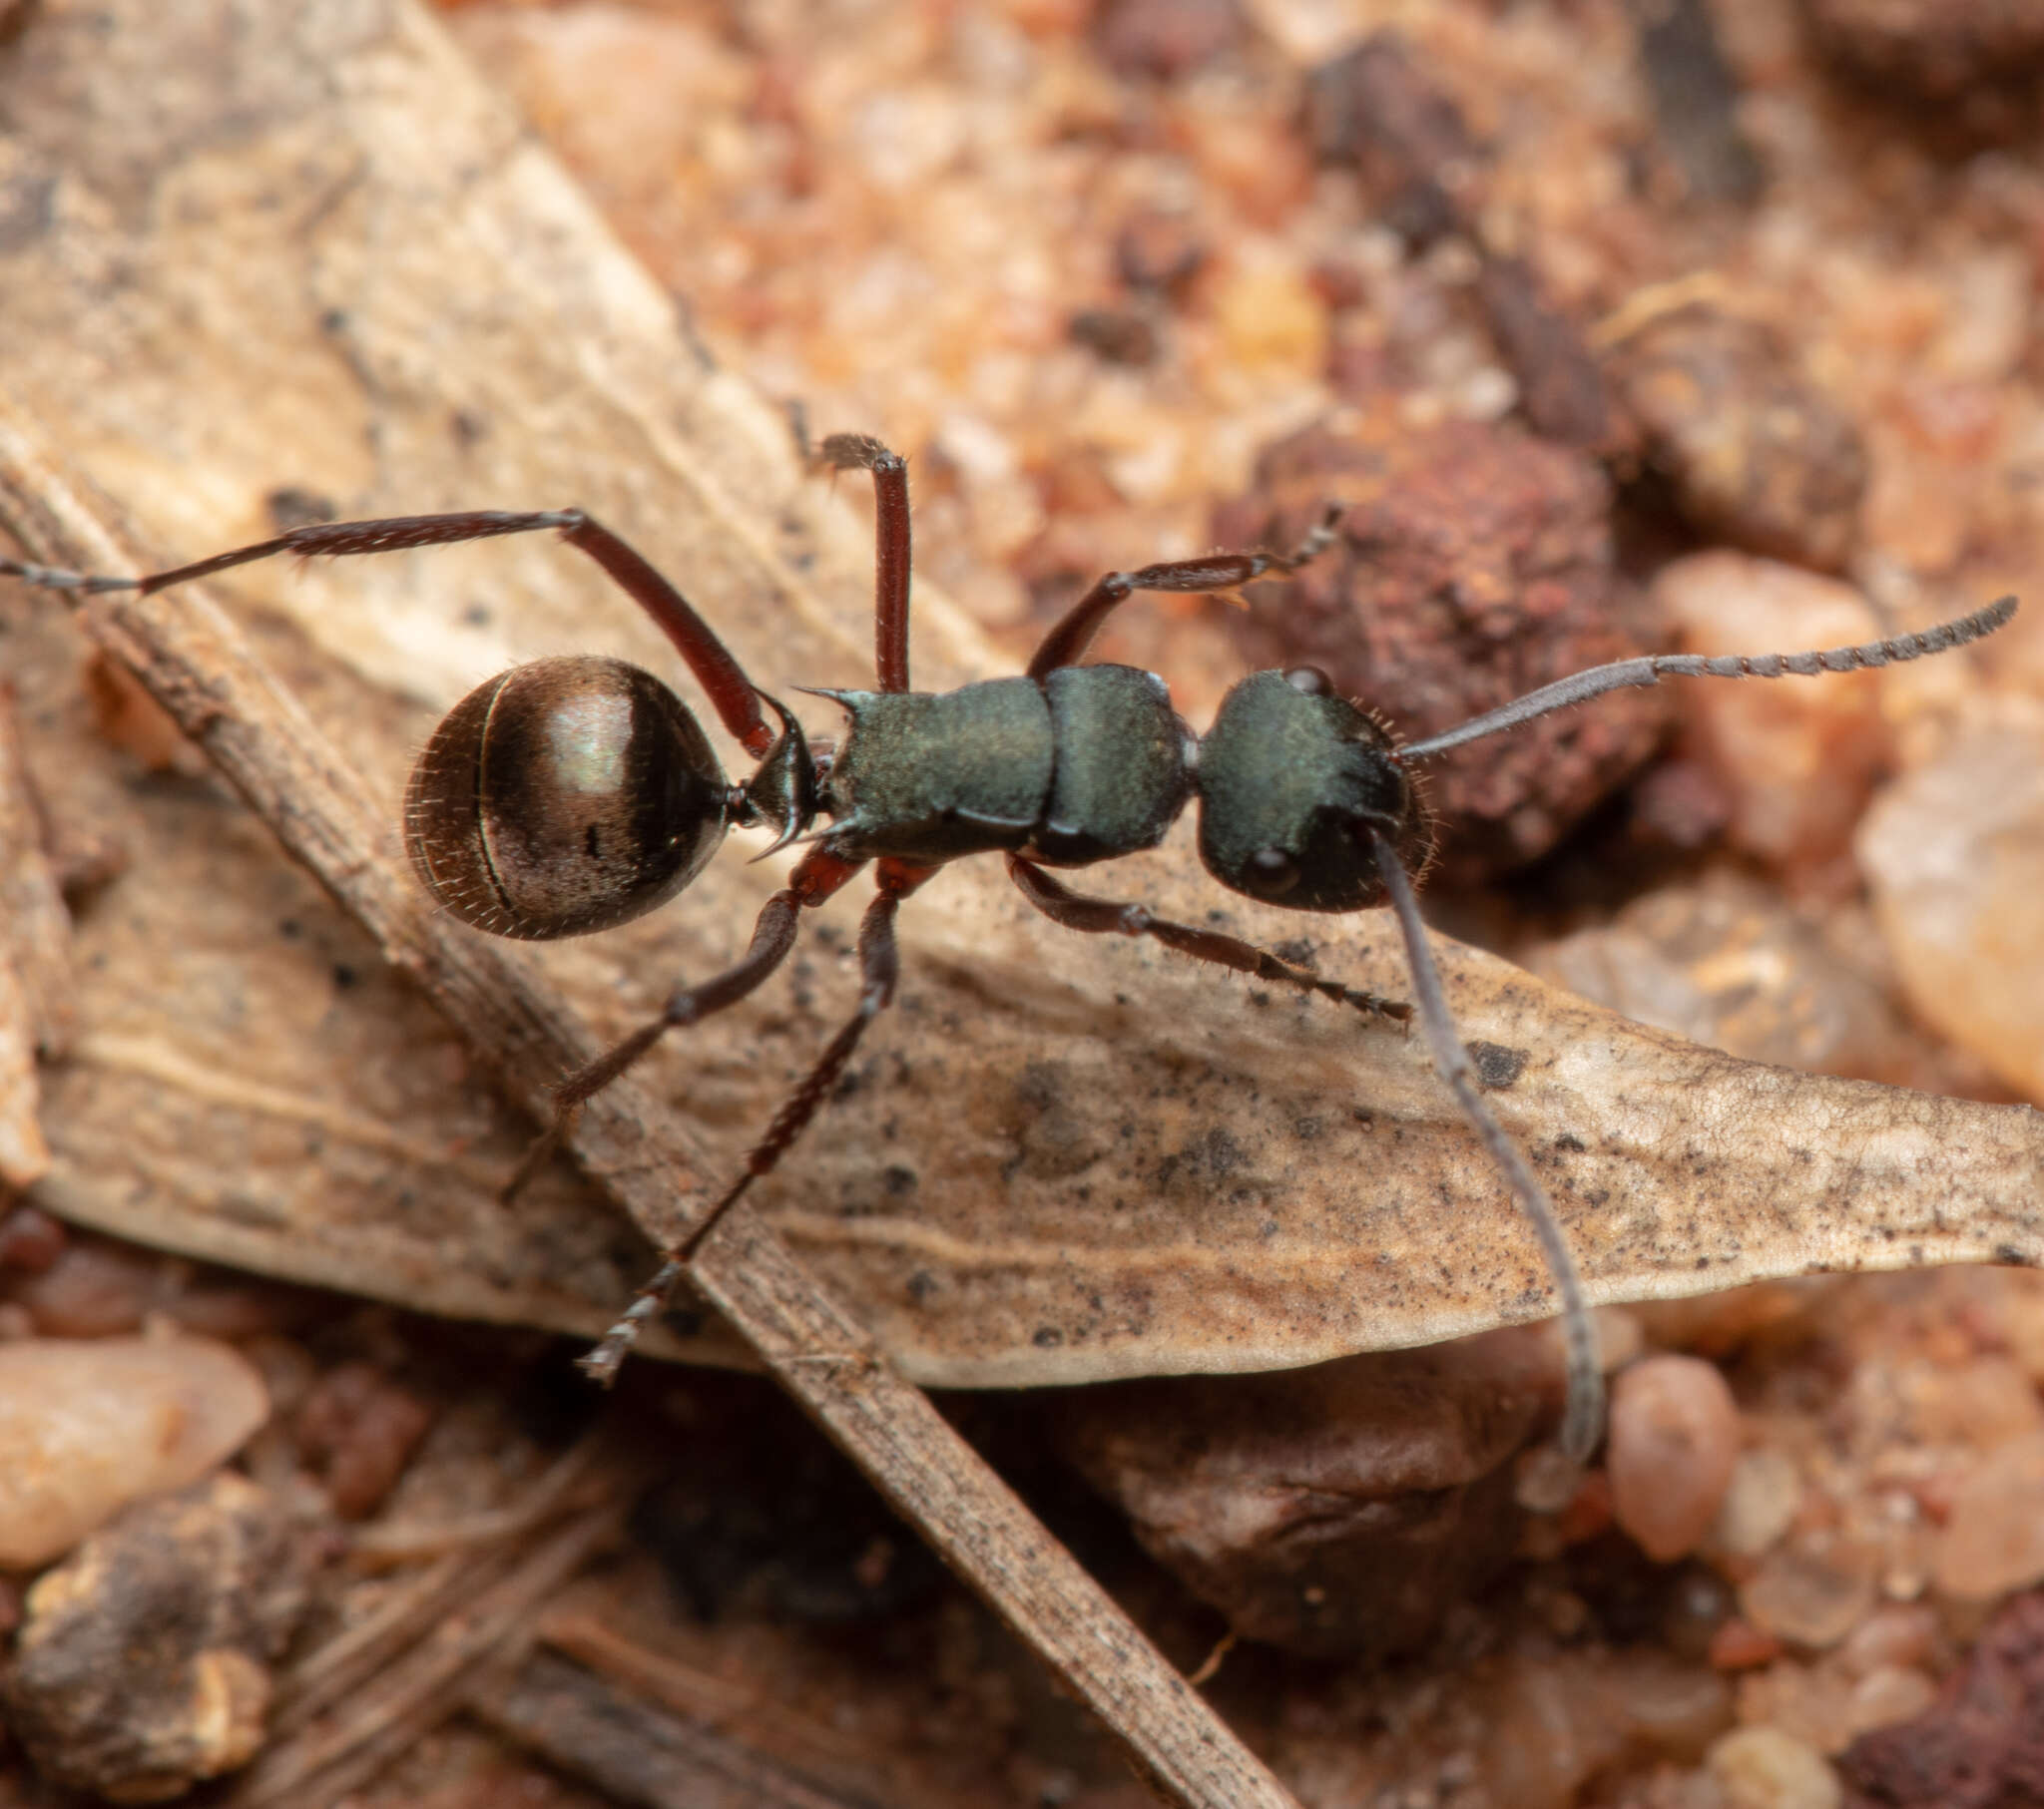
(573, 794)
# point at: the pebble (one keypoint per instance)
(1953, 853)
(30, 1239)
(1765, 1768)
(1674, 1445)
(1472, 565)
(92, 1289)
(1761, 1504)
(1337, 1510)
(142, 1665)
(87, 1426)
(1890, 1638)
(1986, 1402)
(1994, 1540)
(1806, 1598)
(1799, 759)
(360, 1427)
(1554, 1720)
(1809, 1703)
(1739, 1646)
(1889, 1694)
(1753, 453)
(1727, 962)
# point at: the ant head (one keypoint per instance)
(1293, 778)
(564, 796)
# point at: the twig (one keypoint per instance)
(630, 1750)
(401, 1705)
(37, 1011)
(390, 1542)
(194, 662)
(33, 925)
(697, 1695)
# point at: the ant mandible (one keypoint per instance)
(573, 794)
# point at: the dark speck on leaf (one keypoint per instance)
(1496, 1065)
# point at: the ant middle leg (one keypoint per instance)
(1107, 916)
(879, 968)
(733, 693)
(1066, 643)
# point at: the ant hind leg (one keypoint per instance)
(716, 669)
(1107, 916)
(879, 968)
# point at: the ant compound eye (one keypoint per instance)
(563, 797)
(1271, 872)
(1309, 681)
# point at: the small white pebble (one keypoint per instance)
(1807, 1596)
(1765, 1768)
(1994, 1540)
(1887, 1694)
(88, 1425)
(1762, 1503)
(1674, 1443)
(1888, 1638)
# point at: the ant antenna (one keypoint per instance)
(1579, 688)
(1583, 1417)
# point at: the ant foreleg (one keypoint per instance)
(1067, 642)
(879, 968)
(1583, 1414)
(861, 452)
(730, 690)
(1107, 916)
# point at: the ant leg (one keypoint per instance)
(733, 693)
(1067, 642)
(1583, 1416)
(1107, 916)
(880, 967)
(815, 879)
(861, 452)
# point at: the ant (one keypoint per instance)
(572, 794)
